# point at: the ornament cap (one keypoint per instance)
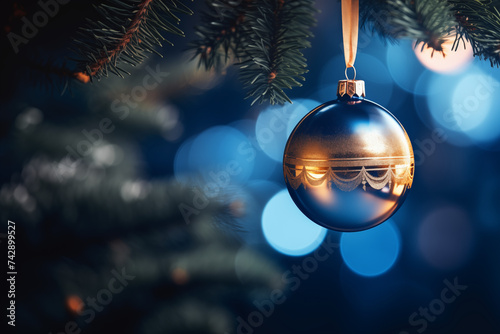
(351, 88)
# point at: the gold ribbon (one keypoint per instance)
(350, 22)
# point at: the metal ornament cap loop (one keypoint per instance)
(351, 88)
(346, 76)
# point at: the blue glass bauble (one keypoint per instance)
(348, 164)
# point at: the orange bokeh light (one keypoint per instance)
(74, 303)
(180, 276)
(448, 61)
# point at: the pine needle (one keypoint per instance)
(124, 34)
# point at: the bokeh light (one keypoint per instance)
(107, 155)
(404, 67)
(218, 155)
(446, 238)
(168, 119)
(464, 106)
(448, 61)
(264, 165)
(29, 117)
(470, 106)
(303, 107)
(182, 169)
(253, 197)
(287, 230)
(422, 85)
(274, 125)
(371, 252)
(75, 304)
(438, 89)
(477, 112)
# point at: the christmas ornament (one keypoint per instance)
(349, 164)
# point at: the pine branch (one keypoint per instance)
(125, 32)
(277, 32)
(479, 23)
(427, 21)
(374, 14)
(220, 33)
(267, 36)
(431, 21)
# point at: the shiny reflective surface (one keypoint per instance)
(348, 164)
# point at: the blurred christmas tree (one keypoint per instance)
(103, 249)
(102, 246)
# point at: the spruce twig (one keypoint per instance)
(125, 32)
(220, 34)
(431, 21)
(479, 23)
(427, 21)
(278, 31)
(266, 36)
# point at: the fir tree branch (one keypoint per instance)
(110, 40)
(479, 23)
(277, 32)
(428, 21)
(220, 33)
(266, 36)
(374, 14)
(431, 21)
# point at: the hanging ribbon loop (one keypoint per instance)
(350, 23)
